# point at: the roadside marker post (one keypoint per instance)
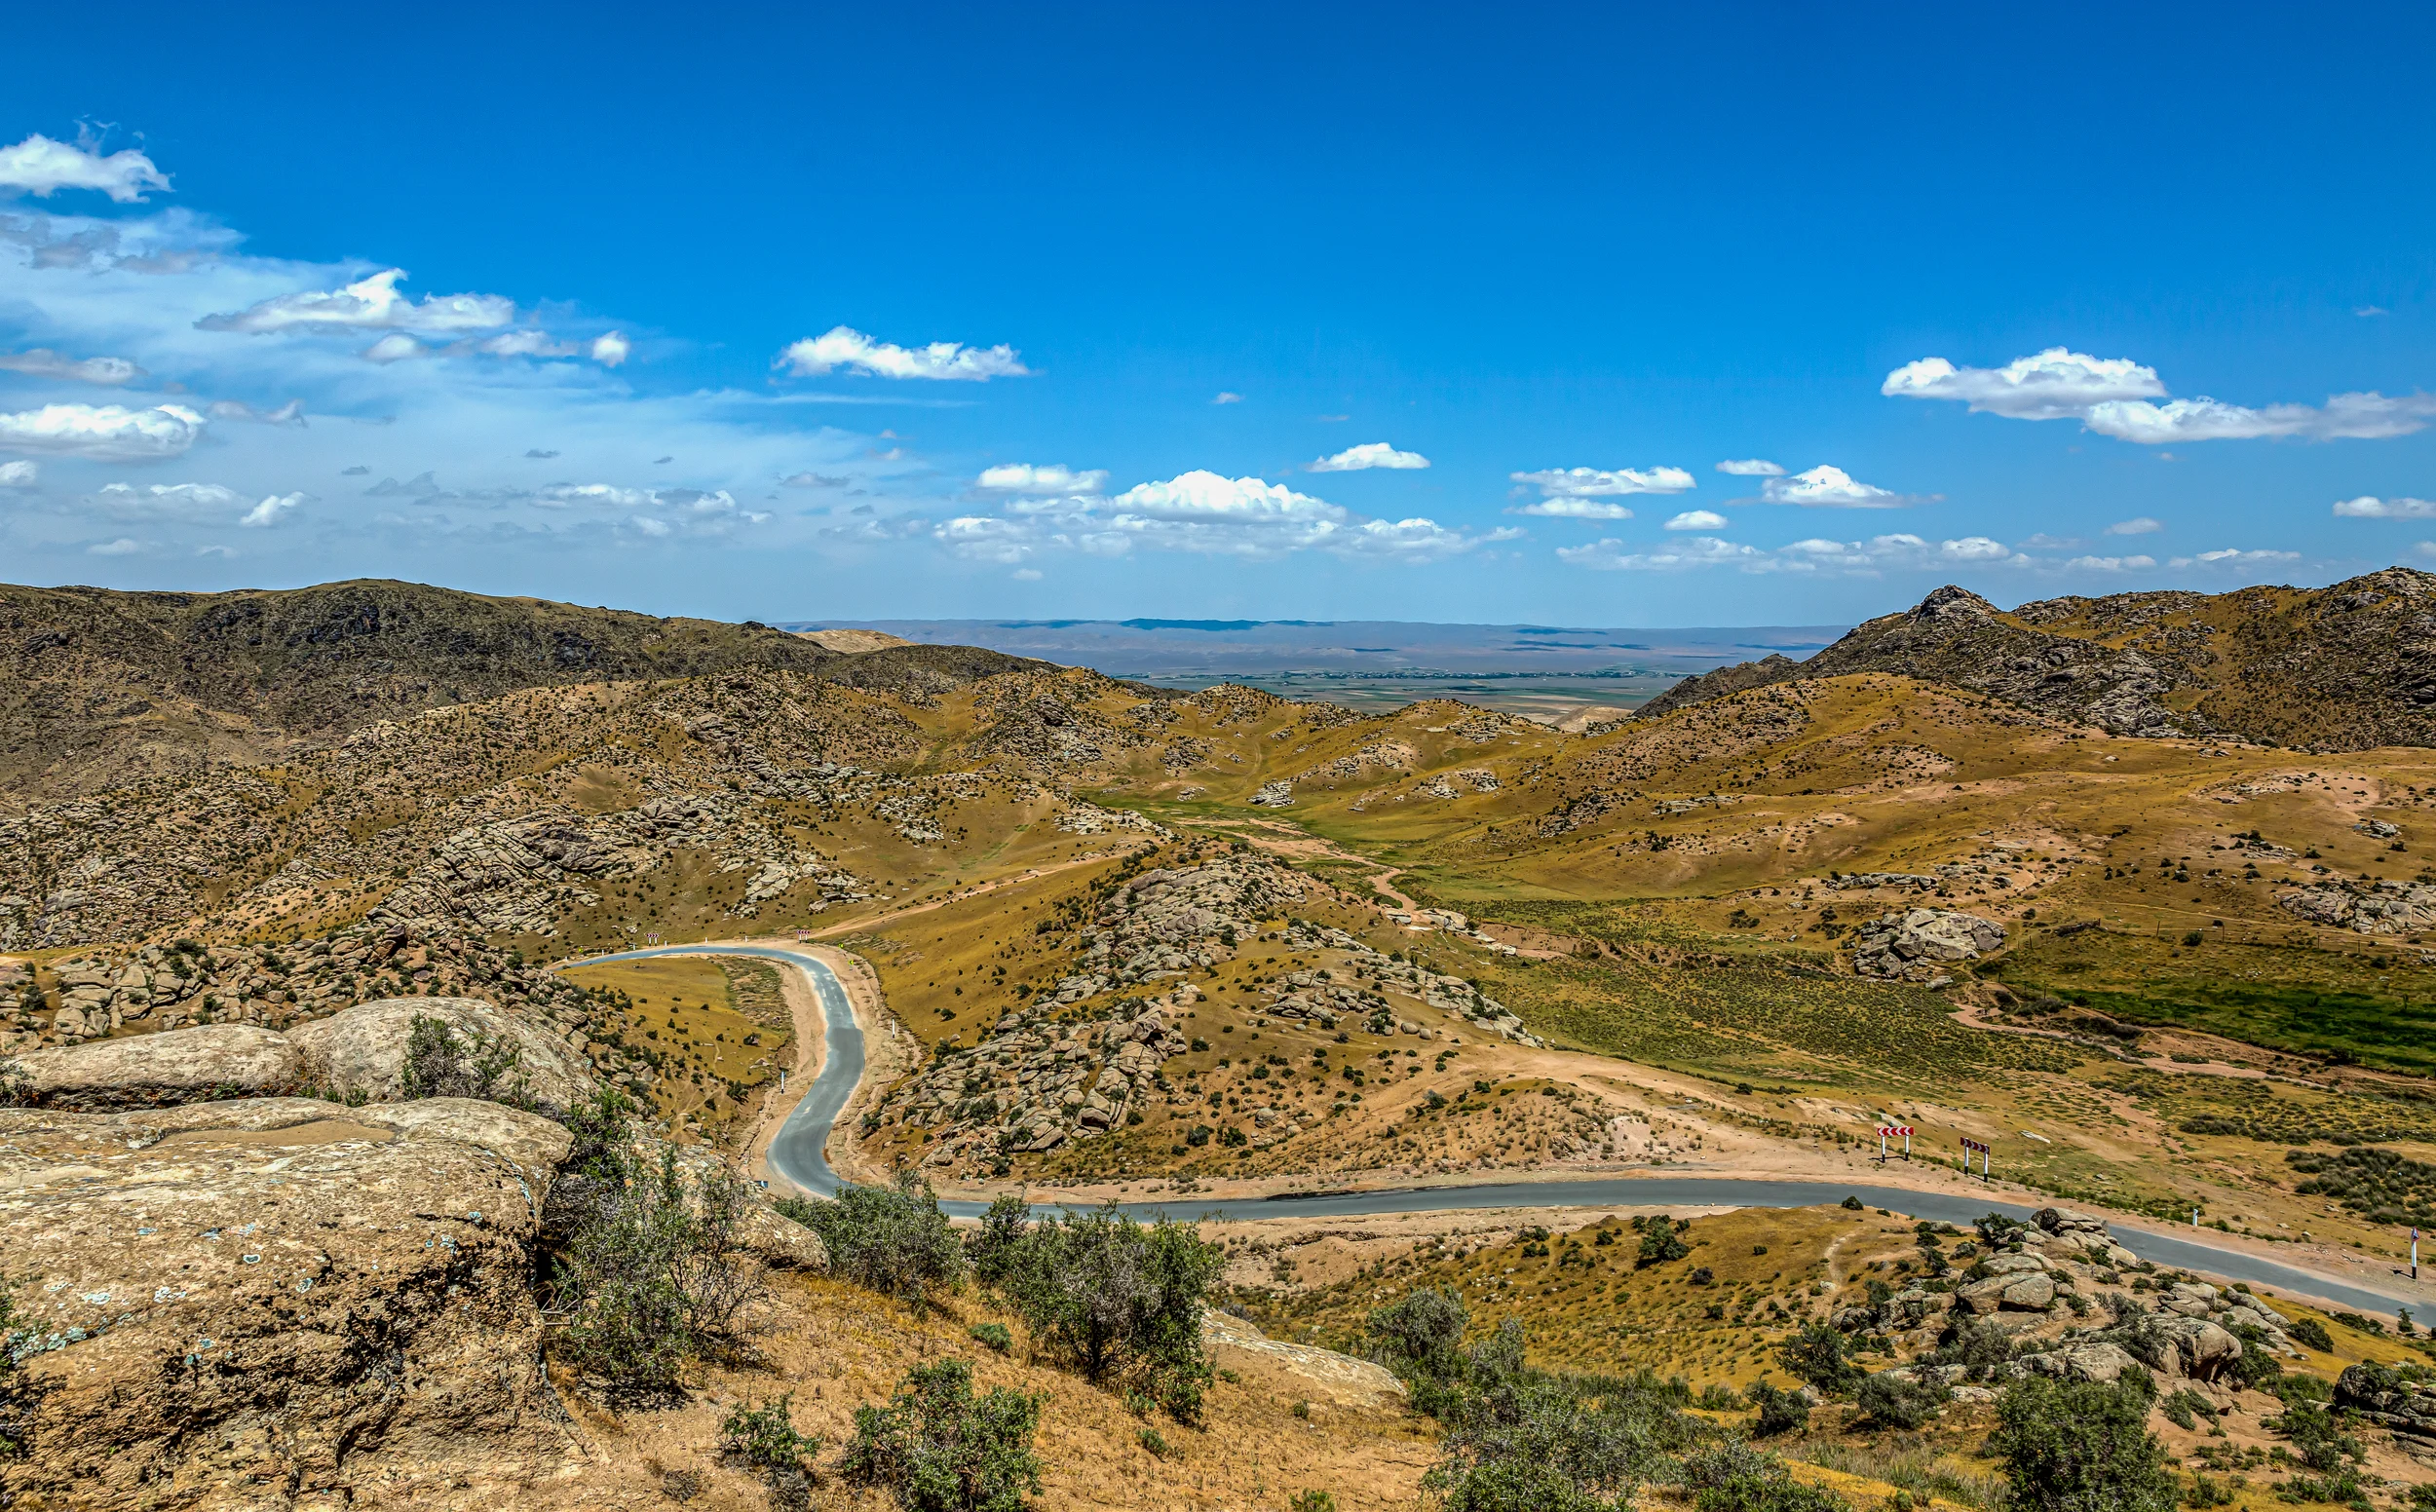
(1968, 1144)
(1886, 1131)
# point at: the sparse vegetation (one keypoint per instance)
(939, 1447)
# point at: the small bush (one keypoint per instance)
(1421, 1335)
(1117, 1301)
(1152, 1440)
(1851, 1204)
(1895, 1402)
(1312, 1501)
(481, 1066)
(656, 1273)
(993, 1335)
(1815, 1356)
(1780, 1412)
(2310, 1334)
(894, 1240)
(765, 1436)
(1737, 1477)
(938, 1447)
(2074, 1447)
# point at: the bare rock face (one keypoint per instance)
(2364, 907)
(1917, 945)
(2102, 1362)
(363, 1049)
(1337, 1377)
(164, 1070)
(278, 1302)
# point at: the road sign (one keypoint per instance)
(1888, 1131)
(1970, 1144)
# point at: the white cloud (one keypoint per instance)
(655, 528)
(20, 475)
(122, 546)
(1408, 541)
(1573, 509)
(2046, 542)
(1370, 454)
(1832, 488)
(1227, 398)
(2369, 507)
(1698, 519)
(1751, 466)
(845, 347)
(611, 349)
(391, 349)
(986, 538)
(606, 495)
(1611, 555)
(2140, 526)
(269, 511)
(40, 167)
(371, 303)
(1202, 512)
(1882, 553)
(1023, 478)
(165, 499)
(528, 342)
(2343, 417)
(2057, 384)
(43, 363)
(289, 413)
(1590, 482)
(2229, 556)
(2111, 563)
(108, 432)
(1026, 575)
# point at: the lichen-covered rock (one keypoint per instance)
(1918, 944)
(1339, 1377)
(163, 1070)
(2102, 1362)
(363, 1049)
(2379, 1393)
(2026, 1291)
(276, 1301)
(2364, 907)
(2201, 1349)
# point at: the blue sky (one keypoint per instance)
(1530, 275)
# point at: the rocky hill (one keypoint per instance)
(2345, 667)
(105, 687)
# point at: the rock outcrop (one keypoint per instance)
(361, 1051)
(2379, 1393)
(279, 1301)
(1328, 1376)
(2364, 907)
(1919, 944)
(177, 1065)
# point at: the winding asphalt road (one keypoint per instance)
(797, 1152)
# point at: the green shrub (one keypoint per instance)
(1816, 1356)
(938, 1447)
(655, 1274)
(1893, 1401)
(1524, 1440)
(17, 1396)
(1152, 1440)
(993, 1335)
(1737, 1477)
(482, 1066)
(2079, 1447)
(990, 1248)
(1781, 1411)
(765, 1436)
(2310, 1334)
(1114, 1299)
(894, 1240)
(1421, 1335)
(1312, 1501)
(1659, 1242)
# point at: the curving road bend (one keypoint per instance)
(798, 1153)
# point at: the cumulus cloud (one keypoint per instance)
(1831, 488)
(846, 346)
(1573, 509)
(2369, 507)
(1370, 454)
(2343, 417)
(159, 499)
(2116, 396)
(2057, 384)
(528, 342)
(41, 167)
(392, 348)
(289, 413)
(2231, 556)
(43, 363)
(122, 546)
(2142, 525)
(1203, 512)
(269, 511)
(1593, 482)
(1698, 519)
(2111, 563)
(1751, 466)
(988, 538)
(608, 495)
(371, 303)
(1023, 478)
(1226, 397)
(20, 475)
(108, 432)
(611, 349)
(1880, 554)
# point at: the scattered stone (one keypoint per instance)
(1914, 945)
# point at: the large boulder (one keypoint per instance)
(2202, 1350)
(2082, 1362)
(1918, 944)
(153, 1071)
(276, 1302)
(2018, 1291)
(1321, 1374)
(363, 1049)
